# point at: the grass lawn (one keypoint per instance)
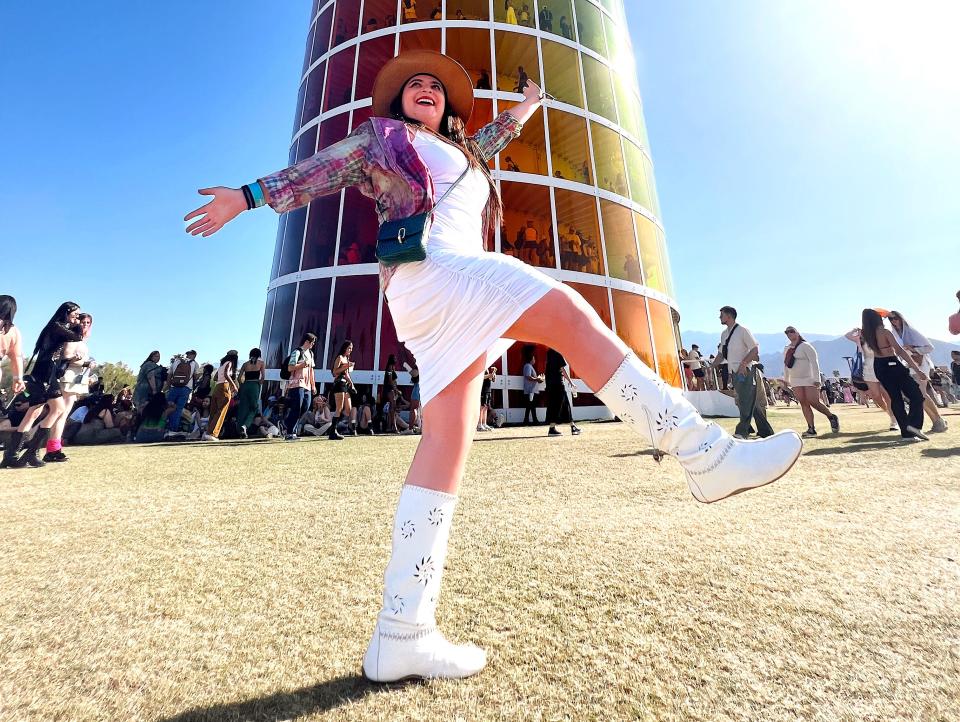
(240, 581)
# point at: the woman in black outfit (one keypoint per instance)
(389, 395)
(894, 376)
(43, 386)
(558, 406)
(342, 387)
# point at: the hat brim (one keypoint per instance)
(393, 76)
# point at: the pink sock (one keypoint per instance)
(54, 445)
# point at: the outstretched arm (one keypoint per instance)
(495, 136)
(333, 168)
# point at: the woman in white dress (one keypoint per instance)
(801, 372)
(458, 309)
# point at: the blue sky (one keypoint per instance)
(805, 153)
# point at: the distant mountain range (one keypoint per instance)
(830, 349)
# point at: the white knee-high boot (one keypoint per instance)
(406, 642)
(717, 465)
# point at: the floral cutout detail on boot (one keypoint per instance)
(406, 642)
(716, 465)
(424, 571)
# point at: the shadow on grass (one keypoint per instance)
(941, 453)
(641, 452)
(290, 704)
(861, 445)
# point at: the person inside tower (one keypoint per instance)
(457, 307)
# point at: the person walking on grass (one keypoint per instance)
(456, 311)
(920, 348)
(740, 351)
(531, 380)
(183, 372)
(342, 388)
(801, 371)
(251, 383)
(486, 393)
(894, 375)
(557, 379)
(43, 387)
(224, 389)
(874, 390)
(302, 385)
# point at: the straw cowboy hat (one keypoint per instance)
(395, 74)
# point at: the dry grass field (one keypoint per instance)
(239, 581)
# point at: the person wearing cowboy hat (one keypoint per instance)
(460, 308)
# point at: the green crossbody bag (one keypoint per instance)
(405, 240)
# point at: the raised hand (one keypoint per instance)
(227, 204)
(531, 91)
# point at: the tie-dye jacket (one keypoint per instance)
(379, 158)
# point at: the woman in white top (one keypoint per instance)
(875, 389)
(74, 384)
(225, 386)
(459, 307)
(920, 348)
(801, 371)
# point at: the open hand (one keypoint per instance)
(227, 204)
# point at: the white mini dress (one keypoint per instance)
(454, 307)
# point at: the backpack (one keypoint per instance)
(285, 366)
(182, 374)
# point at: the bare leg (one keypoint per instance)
(813, 401)
(805, 408)
(33, 413)
(563, 320)
(448, 430)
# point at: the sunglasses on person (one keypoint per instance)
(790, 331)
(894, 318)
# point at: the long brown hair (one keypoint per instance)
(454, 129)
(870, 323)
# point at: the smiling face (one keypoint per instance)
(85, 325)
(423, 99)
(73, 316)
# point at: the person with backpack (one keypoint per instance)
(184, 369)
(297, 369)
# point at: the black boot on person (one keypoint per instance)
(11, 450)
(333, 434)
(30, 457)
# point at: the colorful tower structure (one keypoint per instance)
(578, 189)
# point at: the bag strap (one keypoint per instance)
(726, 344)
(447, 192)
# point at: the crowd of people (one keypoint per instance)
(892, 368)
(61, 401)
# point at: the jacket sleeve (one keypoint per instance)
(494, 137)
(336, 167)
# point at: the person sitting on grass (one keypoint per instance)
(262, 428)
(200, 419)
(153, 420)
(99, 426)
(316, 421)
